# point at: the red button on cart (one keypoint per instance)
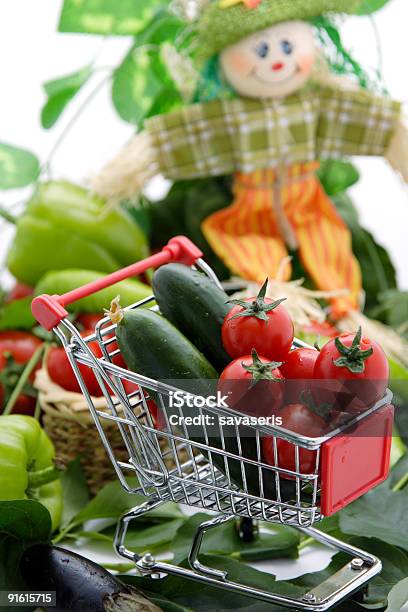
(355, 462)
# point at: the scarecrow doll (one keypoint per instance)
(279, 111)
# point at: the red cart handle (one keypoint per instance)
(49, 310)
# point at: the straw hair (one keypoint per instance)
(221, 27)
(127, 175)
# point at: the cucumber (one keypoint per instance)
(196, 306)
(153, 347)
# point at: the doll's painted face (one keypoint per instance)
(271, 63)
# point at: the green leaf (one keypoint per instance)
(75, 491)
(165, 604)
(152, 538)
(337, 176)
(22, 522)
(393, 309)
(163, 27)
(279, 541)
(141, 538)
(25, 519)
(395, 568)
(380, 514)
(398, 472)
(399, 386)
(17, 315)
(92, 535)
(119, 17)
(139, 84)
(379, 273)
(398, 596)
(347, 210)
(60, 92)
(18, 167)
(11, 551)
(371, 6)
(110, 502)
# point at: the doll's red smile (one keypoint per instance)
(277, 66)
(281, 66)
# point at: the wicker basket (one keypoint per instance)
(69, 424)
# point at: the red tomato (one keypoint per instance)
(298, 370)
(61, 372)
(351, 372)
(301, 420)
(263, 398)
(18, 292)
(89, 321)
(16, 349)
(258, 323)
(157, 415)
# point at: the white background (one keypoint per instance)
(31, 52)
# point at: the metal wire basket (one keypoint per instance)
(218, 467)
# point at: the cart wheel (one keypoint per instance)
(247, 529)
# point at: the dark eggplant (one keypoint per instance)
(80, 584)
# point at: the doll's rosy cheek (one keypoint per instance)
(241, 63)
(306, 62)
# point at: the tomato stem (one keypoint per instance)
(260, 370)
(258, 308)
(31, 364)
(352, 357)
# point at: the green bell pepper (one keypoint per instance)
(26, 465)
(57, 283)
(65, 226)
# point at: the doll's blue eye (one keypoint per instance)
(287, 47)
(262, 49)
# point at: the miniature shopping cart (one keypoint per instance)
(211, 472)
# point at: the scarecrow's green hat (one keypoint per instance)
(225, 22)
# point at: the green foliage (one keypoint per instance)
(18, 167)
(141, 86)
(22, 522)
(337, 176)
(379, 274)
(25, 519)
(112, 17)
(277, 542)
(398, 596)
(17, 315)
(341, 60)
(381, 513)
(395, 567)
(75, 491)
(185, 594)
(60, 92)
(371, 6)
(393, 310)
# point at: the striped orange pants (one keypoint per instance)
(250, 239)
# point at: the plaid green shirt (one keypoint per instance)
(225, 136)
